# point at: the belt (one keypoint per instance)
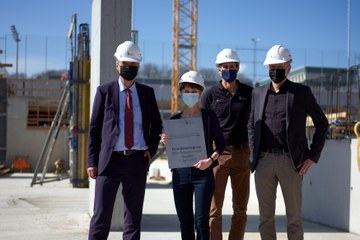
(128, 152)
(276, 150)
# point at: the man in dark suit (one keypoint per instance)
(124, 135)
(279, 147)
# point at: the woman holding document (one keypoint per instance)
(196, 180)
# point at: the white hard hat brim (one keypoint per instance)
(268, 62)
(125, 59)
(201, 84)
(227, 61)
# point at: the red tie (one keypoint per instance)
(129, 121)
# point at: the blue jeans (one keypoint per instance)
(186, 183)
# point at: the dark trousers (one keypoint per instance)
(131, 172)
(188, 182)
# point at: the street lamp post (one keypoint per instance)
(17, 40)
(255, 40)
(349, 82)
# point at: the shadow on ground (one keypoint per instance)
(170, 223)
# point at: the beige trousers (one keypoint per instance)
(272, 169)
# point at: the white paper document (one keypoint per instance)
(186, 142)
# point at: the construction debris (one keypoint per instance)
(60, 167)
(4, 170)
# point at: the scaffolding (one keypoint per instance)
(75, 101)
(185, 17)
(79, 121)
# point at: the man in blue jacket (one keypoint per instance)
(124, 135)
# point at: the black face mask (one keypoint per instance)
(277, 75)
(128, 72)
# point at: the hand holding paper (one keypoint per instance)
(186, 142)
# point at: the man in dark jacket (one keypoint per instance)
(279, 147)
(230, 100)
(124, 135)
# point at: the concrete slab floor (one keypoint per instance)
(57, 211)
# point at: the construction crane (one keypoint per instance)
(185, 18)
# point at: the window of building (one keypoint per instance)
(42, 115)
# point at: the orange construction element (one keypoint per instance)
(20, 165)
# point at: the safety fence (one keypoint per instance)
(38, 54)
(339, 96)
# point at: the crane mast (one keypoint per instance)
(185, 18)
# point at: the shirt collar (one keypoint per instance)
(123, 87)
(221, 87)
(283, 88)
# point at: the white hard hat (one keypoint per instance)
(192, 77)
(128, 52)
(227, 55)
(277, 54)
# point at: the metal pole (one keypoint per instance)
(17, 66)
(348, 34)
(17, 40)
(5, 47)
(46, 46)
(17, 60)
(66, 65)
(348, 103)
(26, 56)
(255, 40)
(132, 15)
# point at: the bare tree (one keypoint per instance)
(13, 75)
(153, 71)
(51, 74)
(209, 74)
(149, 70)
(245, 80)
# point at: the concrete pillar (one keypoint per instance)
(354, 188)
(110, 26)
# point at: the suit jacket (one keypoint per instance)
(104, 124)
(300, 103)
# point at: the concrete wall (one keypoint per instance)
(110, 26)
(22, 141)
(331, 189)
(354, 190)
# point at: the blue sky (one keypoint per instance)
(315, 31)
